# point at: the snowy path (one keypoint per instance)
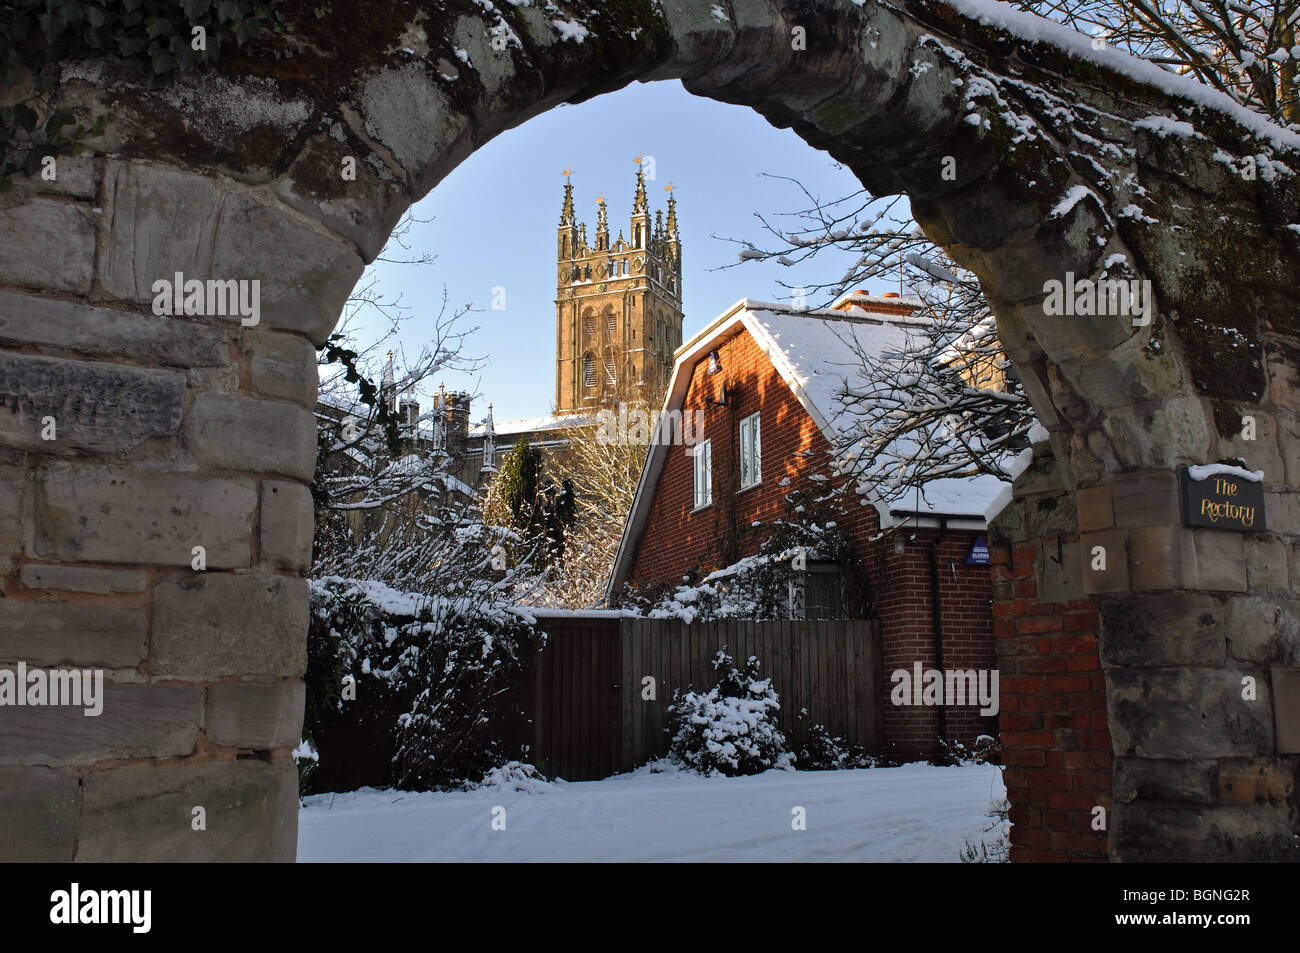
(913, 813)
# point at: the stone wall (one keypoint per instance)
(178, 432)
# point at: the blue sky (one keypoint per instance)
(492, 223)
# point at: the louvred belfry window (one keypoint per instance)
(588, 371)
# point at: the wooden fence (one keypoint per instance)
(587, 716)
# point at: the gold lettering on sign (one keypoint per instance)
(1216, 510)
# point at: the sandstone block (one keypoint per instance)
(1188, 714)
(161, 221)
(120, 515)
(1095, 511)
(57, 251)
(1110, 545)
(145, 812)
(219, 625)
(258, 435)
(82, 579)
(53, 633)
(1169, 629)
(1142, 779)
(55, 323)
(288, 520)
(282, 366)
(38, 815)
(252, 715)
(137, 721)
(1220, 560)
(103, 408)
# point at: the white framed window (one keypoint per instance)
(703, 460)
(751, 452)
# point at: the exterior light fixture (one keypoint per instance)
(715, 364)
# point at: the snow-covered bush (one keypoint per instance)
(402, 688)
(454, 665)
(732, 728)
(984, 750)
(822, 751)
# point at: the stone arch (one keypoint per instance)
(1066, 162)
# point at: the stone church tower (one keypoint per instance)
(618, 304)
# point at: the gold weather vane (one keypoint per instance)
(600, 199)
(568, 171)
(638, 158)
(668, 187)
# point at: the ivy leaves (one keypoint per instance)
(369, 393)
(161, 37)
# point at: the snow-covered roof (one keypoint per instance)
(533, 424)
(820, 354)
(815, 352)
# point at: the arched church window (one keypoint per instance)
(609, 369)
(611, 321)
(588, 322)
(587, 273)
(588, 371)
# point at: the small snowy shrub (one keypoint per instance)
(823, 752)
(984, 750)
(994, 850)
(732, 728)
(514, 776)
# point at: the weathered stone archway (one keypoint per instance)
(194, 431)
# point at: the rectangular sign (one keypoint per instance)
(979, 553)
(1223, 498)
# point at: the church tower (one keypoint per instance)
(618, 304)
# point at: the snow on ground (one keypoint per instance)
(916, 812)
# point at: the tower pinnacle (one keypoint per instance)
(566, 212)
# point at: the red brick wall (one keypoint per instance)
(906, 617)
(675, 540)
(1054, 734)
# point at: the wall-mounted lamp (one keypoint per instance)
(899, 545)
(715, 364)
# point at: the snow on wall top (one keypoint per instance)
(1037, 29)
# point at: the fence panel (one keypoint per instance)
(584, 693)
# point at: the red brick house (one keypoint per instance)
(764, 380)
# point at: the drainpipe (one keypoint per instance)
(936, 614)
